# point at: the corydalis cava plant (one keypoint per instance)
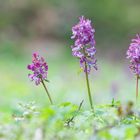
(84, 48)
(40, 71)
(133, 54)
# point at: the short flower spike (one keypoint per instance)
(39, 68)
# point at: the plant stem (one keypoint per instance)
(137, 87)
(88, 87)
(71, 120)
(46, 90)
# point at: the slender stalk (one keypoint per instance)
(137, 87)
(71, 119)
(88, 87)
(46, 90)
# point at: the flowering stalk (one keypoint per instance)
(88, 87)
(84, 49)
(40, 70)
(133, 53)
(46, 91)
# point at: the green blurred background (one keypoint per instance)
(44, 26)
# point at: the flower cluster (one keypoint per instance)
(39, 68)
(133, 54)
(83, 48)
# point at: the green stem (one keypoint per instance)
(137, 84)
(46, 90)
(88, 87)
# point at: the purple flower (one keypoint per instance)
(135, 67)
(133, 53)
(39, 68)
(83, 48)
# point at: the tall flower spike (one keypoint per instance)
(133, 54)
(84, 48)
(40, 70)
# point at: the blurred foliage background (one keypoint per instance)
(45, 26)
